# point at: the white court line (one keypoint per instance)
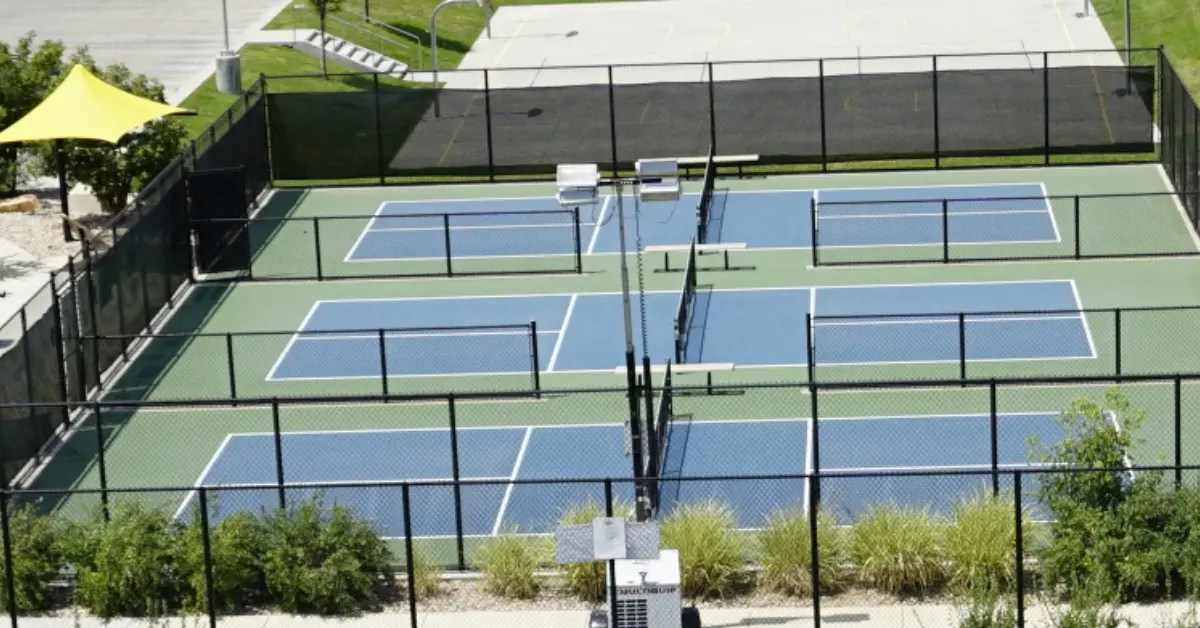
(918, 319)
(930, 215)
(833, 471)
(562, 333)
(473, 201)
(341, 335)
(470, 428)
(599, 225)
(390, 483)
(1087, 329)
(291, 341)
(482, 227)
(513, 478)
(1050, 211)
(442, 258)
(808, 463)
(953, 361)
(203, 474)
(362, 236)
(959, 186)
(1007, 282)
(1162, 173)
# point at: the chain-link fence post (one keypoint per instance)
(206, 541)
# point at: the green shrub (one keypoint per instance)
(786, 560)
(898, 550)
(426, 575)
(508, 563)
(127, 567)
(37, 560)
(981, 544)
(237, 545)
(987, 608)
(711, 553)
(587, 580)
(324, 563)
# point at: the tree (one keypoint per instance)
(113, 172)
(323, 9)
(27, 74)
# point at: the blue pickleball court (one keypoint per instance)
(491, 459)
(851, 325)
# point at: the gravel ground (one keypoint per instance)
(40, 233)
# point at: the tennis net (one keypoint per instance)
(683, 319)
(704, 210)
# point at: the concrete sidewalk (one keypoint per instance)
(175, 42)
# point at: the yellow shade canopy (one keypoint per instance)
(85, 107)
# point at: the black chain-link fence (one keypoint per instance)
(1043, 104)
(920, 460)
(978, 229)
(320, 362)
(402, 245)
(63, 342)
(1179, 121)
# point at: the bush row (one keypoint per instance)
(142, 562)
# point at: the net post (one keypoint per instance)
(406, 500)
(1079, 245)
(945, 231)
(535, 359)
(962, 346)
(487, 114)
(814, 544)
(937, 131)
(1019, 551)
(815, 437)
(650, 433)
(60, 349)
(824, 125)
(446, 236)
(456, 474)
(317, 247)
(101, 460)
(1117, 340)
(1046, 103)
(812, 212)
(206, 544)
(383, 365)
(379, 160)
(712, 111)
(1178, 433)
(277, 436)
(810, 350)
(578, 242)
(230, 367)
(612, 121)
(993, 428)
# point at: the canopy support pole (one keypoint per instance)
(61, 164)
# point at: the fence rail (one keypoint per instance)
(1059, 106)
(390, 245)
(991, 229)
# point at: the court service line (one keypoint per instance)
(339, 335)
(442, 258)
(599, 224)
(567, 295)
(548, 225)
(512, 478)
(562, 333)
(952, 361)
(932, 214)
(212, 461)
(1087, 329)
(927, 186)
(1050, 212)
(933, 319)
(291, 341)
(932, 243)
